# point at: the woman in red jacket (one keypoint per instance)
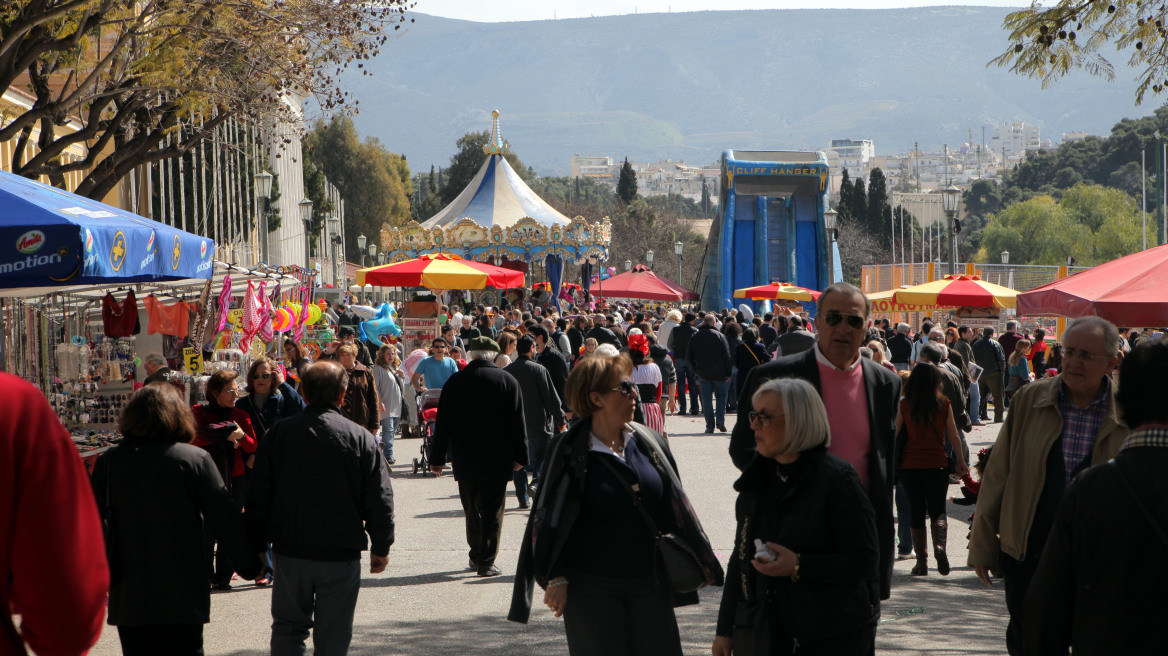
(226, 433)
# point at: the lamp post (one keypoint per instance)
(628, 265)
(1005, 260)
(829, 223)
(338, 280)
(950, 199)
(306, 216)
(361, 247)
(372, 259)
(649, 258)
(263, 188)
(678, 248)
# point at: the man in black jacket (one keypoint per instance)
(686, 377)
(901, 347)
(320, 484)
(990, 356)
(796, 339)
(554, 361)
(861, 398)
(480, 421)
(709, 356)
(601, 334)
(542, 413)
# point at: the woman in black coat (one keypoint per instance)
(157, 495)
(749, 354)
(815, 587)
(588, 545)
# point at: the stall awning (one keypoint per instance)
(1129, 291)
(52, 239)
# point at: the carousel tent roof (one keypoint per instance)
(496, 195)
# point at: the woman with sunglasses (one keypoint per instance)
(587, 545)
(805, 565)
(269, 397)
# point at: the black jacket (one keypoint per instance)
(883, 391)
(557, 504)
(284, 403)
(158, 500)
(320, 484)
(988, 354)
(660, 356)
(679, 339)
(822, 514)
(900, 346)
(603, 335)
(480, 421)
(708, 354)
(557, 366)
(1098, 587)
(795, 341)
(542, 411)
(746, 358)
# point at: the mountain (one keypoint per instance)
(688, 86)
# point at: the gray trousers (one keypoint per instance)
(316, 596)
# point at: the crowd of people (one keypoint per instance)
(849, 433)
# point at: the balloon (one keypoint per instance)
(137, 362)
(364, 311)
(381, 324)
(281, 320)
(313, 314)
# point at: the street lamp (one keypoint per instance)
(950, 199)
(829, 223)
(306, 216)
(361, 247)
(335, 224)
(649, 258)
(372, 259)
(263, 188)
(628, 265)
(678, 248)
(1005, 257)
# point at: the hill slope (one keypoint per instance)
(688, 86)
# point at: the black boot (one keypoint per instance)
(940, 537)
(920, 545)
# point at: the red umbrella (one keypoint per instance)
(641, 282)
(1130, 291)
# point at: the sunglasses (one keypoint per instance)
(763, 419)
(834, 317)
(626, 388)
(259, 376)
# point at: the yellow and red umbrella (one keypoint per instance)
(440, 271)
(958, 291)
(884, 302)
(777, 291)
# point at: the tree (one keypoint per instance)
(983, 197)
(149, 80)
(1047, 42)
(706, 203)
(878, 211)
(845, 196)
(857, 203)
(857, 247)
(374, 182)
(315, 190)
(626, 185)
(465, 164)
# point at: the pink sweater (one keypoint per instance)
(847, 412)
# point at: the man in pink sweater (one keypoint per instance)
(861, 400)
(52, 565)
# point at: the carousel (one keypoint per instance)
(500, 220)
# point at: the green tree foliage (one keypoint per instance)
(626, 185)
(374, 182)
(706, 203)
(151, 79)
(879, 212)
(1049, 40)
(466, 162)
(845, 195)
(1091, 223)
(315, 191)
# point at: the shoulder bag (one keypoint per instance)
(676, 560)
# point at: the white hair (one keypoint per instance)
(606, 351)
(482, 355)
(154, 358)
(807, 424)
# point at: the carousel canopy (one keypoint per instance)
(498, 216)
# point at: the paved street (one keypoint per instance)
(425, 603)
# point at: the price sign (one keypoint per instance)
(193, 359)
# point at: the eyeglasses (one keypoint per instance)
(1085, 356)
(763, 419)
(626, 388)
(834, 317)
(258, 376)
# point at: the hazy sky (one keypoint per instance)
(528, 10)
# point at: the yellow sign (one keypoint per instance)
(193, 359)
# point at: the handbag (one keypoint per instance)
(676, 560)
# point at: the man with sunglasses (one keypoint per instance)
(861, 399)
(1056, 428)
(434, 371)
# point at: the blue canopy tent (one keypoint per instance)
(52, 241)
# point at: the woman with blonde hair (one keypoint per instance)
(1018, 367)
(805, 566)
(390, 395)
(508, 339)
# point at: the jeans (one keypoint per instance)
(975, 404)
(317, 596)
(388, 431)
(732, 391)
(686, 378)
(710, 389)
(903, 522)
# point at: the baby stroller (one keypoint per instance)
(427, 417)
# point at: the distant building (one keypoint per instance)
(597, 168)
(653, 178)
(1068, 137)
(852, 154)
(1013, 140)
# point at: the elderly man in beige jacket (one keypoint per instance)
(1056, 428)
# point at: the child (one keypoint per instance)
(970, 487)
